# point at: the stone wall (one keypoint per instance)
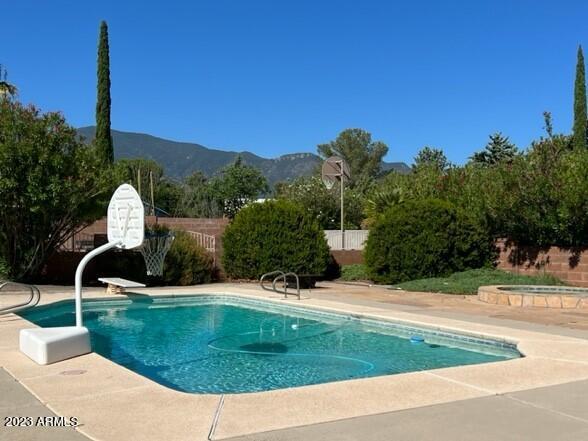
(569, 265)
(212, 227)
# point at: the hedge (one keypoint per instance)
(425, 238)
(274, 235)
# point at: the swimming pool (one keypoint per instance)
(230, 344)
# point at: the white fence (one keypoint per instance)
(206, 241)
(354, 239)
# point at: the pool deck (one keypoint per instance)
(547, 388)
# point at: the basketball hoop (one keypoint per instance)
(336, 169)
(154, 250)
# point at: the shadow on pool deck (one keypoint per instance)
(16, 401)
(546, 414)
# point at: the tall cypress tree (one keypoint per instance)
(580, 118)
(103, 135)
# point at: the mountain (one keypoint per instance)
(180, 159)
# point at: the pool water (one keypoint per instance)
(224, 344)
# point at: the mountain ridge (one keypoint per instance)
(180, 159)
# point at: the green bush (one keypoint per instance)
(274, 235)
(186, 262)
(468, 282)
(426, 238)
(352, 272)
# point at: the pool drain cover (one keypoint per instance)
(266, 348)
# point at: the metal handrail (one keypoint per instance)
(284, 276)
(281, 275)
(33, 300)
(267, 275)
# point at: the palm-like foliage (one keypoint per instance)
(379, 201)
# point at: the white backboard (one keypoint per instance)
(126, 218)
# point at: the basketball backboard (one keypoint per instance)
(126, 218)
(333, 170)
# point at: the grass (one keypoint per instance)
(468, 282)
(353, 272)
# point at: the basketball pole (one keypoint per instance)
(152, 198)
(342, 206)
(78, 278)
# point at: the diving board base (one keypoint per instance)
(50, 345)
(116, 285)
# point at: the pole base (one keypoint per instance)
(50, 345)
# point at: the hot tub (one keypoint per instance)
(567, 297)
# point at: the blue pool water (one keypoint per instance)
(224, 344)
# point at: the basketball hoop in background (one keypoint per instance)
(336, 169)
(154, 249)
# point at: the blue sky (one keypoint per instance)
(277, 77)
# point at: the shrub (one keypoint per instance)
(352, 272)
(186, 262)
(426, 238)
(323, 204)
(274, 235)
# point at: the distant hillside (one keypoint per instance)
(180, 159)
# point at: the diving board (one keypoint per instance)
(116, 285)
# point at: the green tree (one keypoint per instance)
(168, 195)
(103, 136)
(431, 157)
(51, 185)
(196, 180)
(237, 185)
(363, 155)
(198, 198)
(322, 204)
(580, 122)
(499, 149)
(137, 171)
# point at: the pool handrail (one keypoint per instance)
(281, 275)
(285, 276)
(271, 273)
(32, 301)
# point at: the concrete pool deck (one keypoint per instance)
(114, 403)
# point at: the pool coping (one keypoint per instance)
(106, 394)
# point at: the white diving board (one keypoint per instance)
(116, 285)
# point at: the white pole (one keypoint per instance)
(342, 204)
(80, 271)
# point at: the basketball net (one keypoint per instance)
(154, 250)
